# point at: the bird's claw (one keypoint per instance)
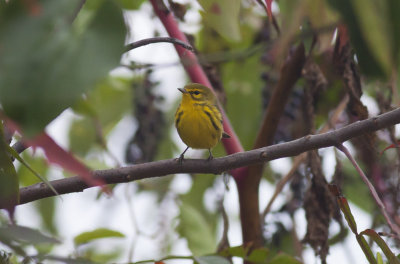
(180, 159)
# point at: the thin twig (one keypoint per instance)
(297, 244)
(215, 57)
(217, 165)
(102, 140)
(279, 187)
(299, 159)
(371, 188)
(166, 258)
(132, 217)
(144, 42)
(272, 18)
(389, 235)
(19, 146)
(224, 242)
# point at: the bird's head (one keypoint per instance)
(197, 93)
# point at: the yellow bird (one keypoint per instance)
(198, 119)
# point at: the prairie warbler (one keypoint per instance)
(198, 120)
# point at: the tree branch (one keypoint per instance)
(144, 42)
(248, 187)
(218, 165)
(300, 159)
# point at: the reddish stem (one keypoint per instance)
(371, 188)
(269, 9)
(197, 75)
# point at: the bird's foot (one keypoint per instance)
(180, 159)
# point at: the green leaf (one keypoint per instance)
(100, 112)
(195, 196)
(238, 251)
(366, 21)
(103, 256)
(215, 48)
(9, 185)
(46, 209)
(355, 189)
(382, 244)
(131, 4)
(82, 136)
(372, 18)
(18, 157)
(243, 88)
(109, 93)
(211, 260)
(284, 259)
(344, 206)
(24, 234)
(194, 227)
(223, 16)
(366, 249)
(99, 233)
(320, 14)
(5, 257)
(379, 258)
(15, 247)
(394, 7)
(37, 162)
(69, 260)
(258, 255)
(47, 63)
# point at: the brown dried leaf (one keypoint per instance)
(178, 9)
(144, 144)
(319, 205)
(348, 71)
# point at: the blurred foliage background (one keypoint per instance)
(63, 63)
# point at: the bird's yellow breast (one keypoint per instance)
(199, 125)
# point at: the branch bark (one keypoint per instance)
(217, 165)
(249, 186)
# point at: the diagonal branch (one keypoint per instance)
(300, 159)
(371, 188)
(218, 165)
(248, 188)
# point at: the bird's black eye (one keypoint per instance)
(196, 92)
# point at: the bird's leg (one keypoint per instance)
(211, 156)
(180, 160)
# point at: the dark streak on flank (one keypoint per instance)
(178, 118)
(214, 110)
(212, 120)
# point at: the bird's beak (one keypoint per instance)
(182, 90)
